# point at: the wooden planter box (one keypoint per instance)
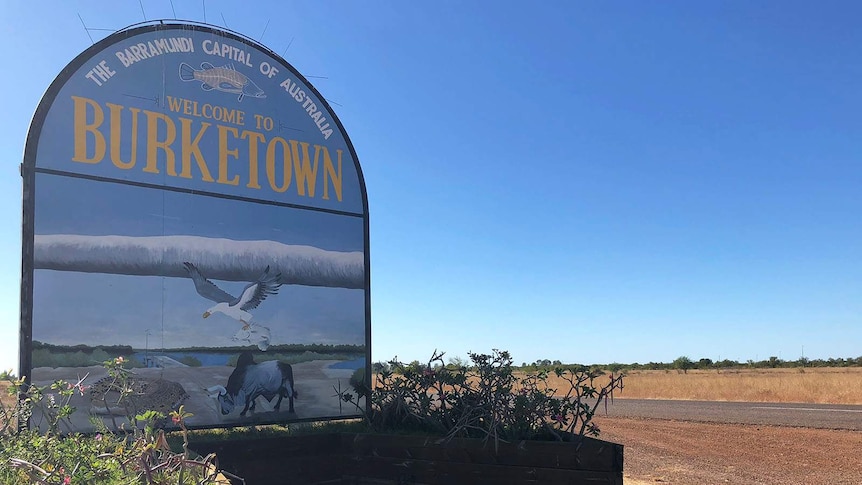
(396, 459)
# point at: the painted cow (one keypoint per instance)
(250, 380)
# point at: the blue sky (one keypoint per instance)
(576, 181)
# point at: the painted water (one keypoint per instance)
(208, 359)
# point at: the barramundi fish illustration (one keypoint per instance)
(224, 78)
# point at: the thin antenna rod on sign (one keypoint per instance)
(156, 99)
(333, 102)
(173, 9)
(141, 3)
(318, 77)
(204, 3)
(260, 39)
(223, 20)
(86, 29)
(288, 46)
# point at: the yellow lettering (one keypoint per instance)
(223, 154)
(207, 111)
(305, 173)
(173, 104)
(82, 128)
(270, 164)
(284, 160)
(154, 144)
(116, 129)
(229, 116)
(191, 148)
(253, 139)
(330, 173)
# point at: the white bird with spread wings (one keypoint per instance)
(235, 307)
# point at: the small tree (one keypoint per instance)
(457, 363)
(683, 363)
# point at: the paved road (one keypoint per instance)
(824, 416)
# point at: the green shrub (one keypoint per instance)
(358, 383)
(135, 456)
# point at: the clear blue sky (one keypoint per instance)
(566, 180)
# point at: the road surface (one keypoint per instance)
(821, 416)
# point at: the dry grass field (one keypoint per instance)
(824, 385)
(6, 400)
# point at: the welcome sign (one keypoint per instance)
(194, 209)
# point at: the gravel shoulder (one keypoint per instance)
(686, 453)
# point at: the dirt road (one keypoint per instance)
(822, 416)
(686, 453)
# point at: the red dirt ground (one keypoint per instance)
(685, 453)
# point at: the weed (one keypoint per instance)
(60, 456)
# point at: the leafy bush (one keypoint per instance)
(485, 400)
(357, 382)
(140, 455)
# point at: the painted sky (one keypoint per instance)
(575, 181)
(83, 308)
(69, 205)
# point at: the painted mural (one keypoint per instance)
(195, 214)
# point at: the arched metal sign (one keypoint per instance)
(194, 207)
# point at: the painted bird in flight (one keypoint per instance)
(235, 307)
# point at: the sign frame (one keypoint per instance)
(29, 170)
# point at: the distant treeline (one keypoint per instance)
(684, 363)
(680, 363)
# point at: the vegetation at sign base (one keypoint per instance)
(137, 455)
(482, 400)
(257, 432)
(485, 400)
